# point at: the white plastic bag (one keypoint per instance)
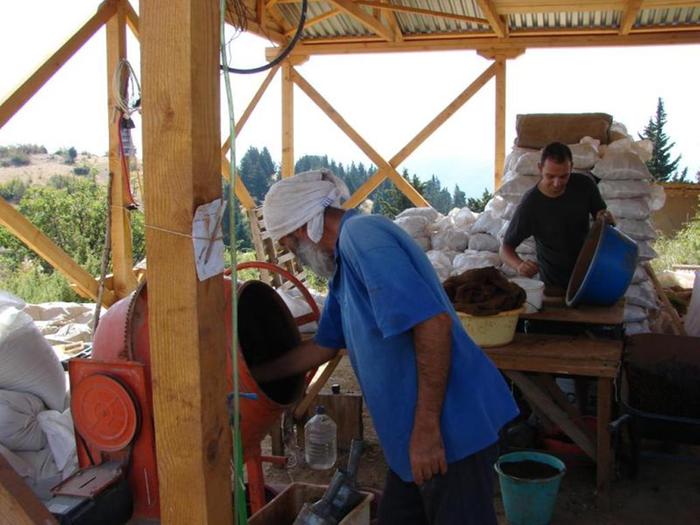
(624, 165)
(646, 252)
(429, 214)
(441, 262)
(641, 230)
(423, 242)
(634, 314)
(19, 425)
(27, 361)
(449, 239)
(484, 242)
(641, 327)
(414, 225)
(657, 197)
(487, 223)
(517, 186)
(642, 294)
(585, 155)
(528, 164)
(514, 156)
(463, 218)
(629, 208)
(471, 260)
(58, 427)
(527, 247)
(624, 189)
(640, 275)
(42, 464)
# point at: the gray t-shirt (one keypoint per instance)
(559, 225)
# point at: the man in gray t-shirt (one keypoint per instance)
(556, 212)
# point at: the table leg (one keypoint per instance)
(604, 452)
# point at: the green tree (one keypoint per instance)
(257, 172)
(662, 168)
(459, 198)
(478, 204)
(71, 155)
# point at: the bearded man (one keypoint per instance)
(436, 401)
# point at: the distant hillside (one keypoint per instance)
(43, 165)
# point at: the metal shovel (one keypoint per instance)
(319, 513)
(348, 496)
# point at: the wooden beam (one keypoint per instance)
(365, 190)
(361, 143)
(45, 248)
(315, 20)
(365, 18)
(629, 16)
(267, 31)
(521, 40)
(491, 15)
(181, 124)
(417, 11)
(446, 113)
(36, 80)
(122, 253)
(132, 18)
(500, 118)
(392, 22)
(19, 505)
(287, 168)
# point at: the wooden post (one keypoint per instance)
(122, 258)
(181, 119)
(287, 168)
(500, 146)
(18, 504)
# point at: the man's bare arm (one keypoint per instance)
(512, 259)
(302, 358)
(433, 345)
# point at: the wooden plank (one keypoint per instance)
(555, 310)
(18, 504)
(36, 80)
(500, 120)
(487, 7)
(519, 40)
(676, 322)
(417, 11)
(392, 21)
(367, 20)
(122, 252)
(604, 455)
(323, 373)
(346, 411)
(250, 107)
(181, 122)
(538, 398)
(547, 384)
(446, 113)
(287, 168)
(132, 18)
(629, 16)
(37, 241)
(364, 191)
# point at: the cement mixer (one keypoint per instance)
(112, 395)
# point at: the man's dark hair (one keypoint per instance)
(557, 152)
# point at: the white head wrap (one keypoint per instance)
(302, 199)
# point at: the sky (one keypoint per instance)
(387, 98)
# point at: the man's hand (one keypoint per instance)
(426, 451)
(605, 216)
(527, 268)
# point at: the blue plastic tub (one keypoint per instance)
(529, 501)
(604, 268)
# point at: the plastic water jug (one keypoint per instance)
(320, 440)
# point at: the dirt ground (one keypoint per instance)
(665, 492)
(44, 166)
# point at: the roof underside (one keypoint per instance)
(397, 25)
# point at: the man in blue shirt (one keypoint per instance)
(436, 401)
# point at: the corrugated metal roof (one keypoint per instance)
(344, 25)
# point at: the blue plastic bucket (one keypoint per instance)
(529, 501)
(604, 267)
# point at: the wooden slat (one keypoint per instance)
(132, 18)
(425, 12)
(604, 453)
(392, 22)
(122, 253)
(487, 7)
(181, 123)
(18, 504)
(556, 310)
(323, 373)
(371, 23)
(535, 396)
(500, 121)
(676, 321)
(629, 16)
(29, 87)
(315, 20)
(549, 386)
(365, 190)
(287, 167)
(45, 248)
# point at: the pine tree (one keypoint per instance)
(459, 199)
(662, 168)
(257, 170)
(478, 205)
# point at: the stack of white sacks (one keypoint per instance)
(464, 240)
(36, 430)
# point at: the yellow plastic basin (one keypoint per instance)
(491, 330)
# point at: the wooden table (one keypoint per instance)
(531, 360)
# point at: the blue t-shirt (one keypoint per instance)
(384, 285)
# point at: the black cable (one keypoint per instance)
(282, 55)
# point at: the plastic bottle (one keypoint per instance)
(320, 441)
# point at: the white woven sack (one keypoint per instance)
(624, 189)
(641, 327)
(28, 363)
(429, 214)
(634, 314)
(637, 208)
(584, 155)
(517, 186)
(441, 262)
(528, 164)
(527, 247)
(641, 230)
(642, 294)
(624, 165)
(449, 239)
(19, 424)
(470, 261)
(514, 156)
(646, 252)
(484, 242)
(423, 242)
(640, 275)
(657, 197)
(414, 225)
(487, 223)
(58, 427)
(42, 463)
(463, 218)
